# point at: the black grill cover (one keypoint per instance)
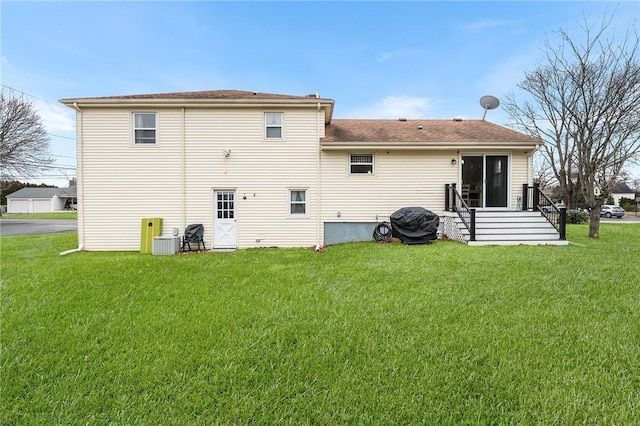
(415, 225)
(194, 232)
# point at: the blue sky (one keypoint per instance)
(415, 59)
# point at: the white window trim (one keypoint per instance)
(134, 128)
(264, 119)
(373, 163)
(290, 202)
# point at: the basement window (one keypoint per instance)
(361, 164)
(144, 128)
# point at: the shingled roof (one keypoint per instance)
(43, 192)
(206, 98)
(207, 94)
(422, 131)
(621, 188)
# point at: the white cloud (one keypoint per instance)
(56, 118)
(484, 24)
(396, 107)
(385, 56)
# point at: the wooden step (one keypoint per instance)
(519, 243)
(511, 228)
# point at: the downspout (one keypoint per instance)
(184, 172)
(79, 183)
(318, 179)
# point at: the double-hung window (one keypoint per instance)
(145, 128)
(273, 125)
(361, 164)
(297, 202)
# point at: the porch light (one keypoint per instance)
(454, 161)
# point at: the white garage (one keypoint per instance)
(41, 200)
(28, 206)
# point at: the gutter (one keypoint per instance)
(418, 146)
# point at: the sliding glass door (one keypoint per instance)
(485, 180)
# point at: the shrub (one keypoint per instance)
(628, 204)
(577, 216)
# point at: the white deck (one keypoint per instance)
(505, 228)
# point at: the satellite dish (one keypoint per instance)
(488, 102)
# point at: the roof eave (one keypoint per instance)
(430, 146)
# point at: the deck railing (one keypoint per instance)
(535, 200)
(454, 202)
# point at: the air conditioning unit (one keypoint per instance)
(166, 246)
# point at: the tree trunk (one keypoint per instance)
(594, 222)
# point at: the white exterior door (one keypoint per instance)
(224, 233)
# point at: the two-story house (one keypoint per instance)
(262, 170)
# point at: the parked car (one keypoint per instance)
(608, 210)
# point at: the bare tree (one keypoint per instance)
(24, 142)
(584, 103)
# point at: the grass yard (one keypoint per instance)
(48, 215)
(361, 333)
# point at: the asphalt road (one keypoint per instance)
(626, 219)
(36, 226)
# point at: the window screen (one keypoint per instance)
(361, 163)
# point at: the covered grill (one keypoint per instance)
(415, 225)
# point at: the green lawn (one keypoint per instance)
(358, 334)
(48, 215)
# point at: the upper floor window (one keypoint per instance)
(144, 128)
(273, 125)
(361, 163)
(298, 202)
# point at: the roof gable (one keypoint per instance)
(622, 188)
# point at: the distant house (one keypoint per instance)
(622, 190)
(41, 200)
(263, 170)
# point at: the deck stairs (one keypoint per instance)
(509, 228)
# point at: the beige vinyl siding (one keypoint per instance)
(401, 179)
(520, 174)
(262, 170)
(123, 183)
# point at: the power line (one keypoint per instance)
(48, 166)
(43, 100)
(27, 94)
(39, 176)
(63, 137)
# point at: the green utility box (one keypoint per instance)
(151, 227)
